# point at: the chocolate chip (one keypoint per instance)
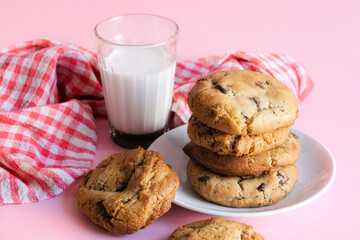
(87, 177)
(260, 84)
(102, 210)
(203, 178)
(223, 90)
(283, 178)
(261, 187)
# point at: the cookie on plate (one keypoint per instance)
(228, 144)
(240, 192)
(215, 228)
(242, 102)
(128, 191)
(274, 159)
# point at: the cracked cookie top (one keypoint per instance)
(128, 191)
(242, 102)
(215, 228)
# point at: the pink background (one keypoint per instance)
(323, 35)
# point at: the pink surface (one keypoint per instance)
(323, 35)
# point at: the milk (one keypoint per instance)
(138, 87)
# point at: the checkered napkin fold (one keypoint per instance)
(49, 92)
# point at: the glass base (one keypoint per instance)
(130, 141)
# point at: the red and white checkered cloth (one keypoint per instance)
(49, 92)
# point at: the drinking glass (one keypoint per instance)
(137, 59)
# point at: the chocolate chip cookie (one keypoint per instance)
(215, 228)
(274, 159)
(128, 191)
(242, 191)
(228, 144)
(243, 102)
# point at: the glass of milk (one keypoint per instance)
(136, 58)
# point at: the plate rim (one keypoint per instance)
(307, 201)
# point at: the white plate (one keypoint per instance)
(316, 173)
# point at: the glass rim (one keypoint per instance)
(167, 40)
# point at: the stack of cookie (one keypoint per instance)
(242, 152)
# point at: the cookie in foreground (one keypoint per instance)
(128, 191)
(215, 228)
